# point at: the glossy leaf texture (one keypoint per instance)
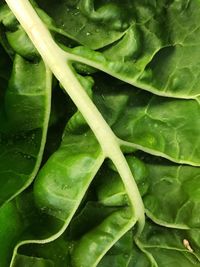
(176, 186)
(148, 44)
(39, 214)
(167, 248)
(25, 93)
(163, 185)
(22, 131)
(68, 249)
(77, 160)
(41, 217)
(154, 124)
(71, 19)
(95, 243)
(157, 246)
(63, 202)
(15, 215)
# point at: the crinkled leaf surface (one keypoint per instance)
(73, 19)
(167, 246)
(77, 212)
(163, 185)
(40, 215)
(176, 186)
(146, 43)
(151, 123)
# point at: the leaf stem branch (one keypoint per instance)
(60, 66)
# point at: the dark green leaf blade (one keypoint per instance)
(22, 131)
(168, 247)
(173, 185)
(59, 190)
(157, 125)
(153, 52)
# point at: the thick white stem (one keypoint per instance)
(58, 62)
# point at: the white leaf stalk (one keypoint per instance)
(59, 63)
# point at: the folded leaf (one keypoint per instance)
(78, 212)
(139, 42)
(93, 245)
(22, 131)
(59, 190)
(71, 19)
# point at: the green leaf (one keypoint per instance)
(22, 131)
(10, 230)
(163, 185)
(156, 125)
(93, 245)
(54, 254)
(162, 127)
(153, 52)
(91, 214)
(172, 69)
(110, 189)
(22, 261)
(73, 20)
(78, 212)
(59, 190)
(120, 254)
(21, 44)
(167, 247)
(173, 185)
(5, 68)
(57, 193)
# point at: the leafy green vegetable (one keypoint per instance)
(24, 115)
(99, 133)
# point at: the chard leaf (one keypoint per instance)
(54, 254)
(22, 131)
(10, 230)
(59, 191)
(111, 192)
(161, 126)
(120, 254)
(79, 211)
(58, 215)
(154, 52)
(73, 20)
(39, 215)
(89, 216)
(49, 50)
(22, 261)
(168, 247)
(154, 124)
(5, 68)
(172, 185)
(94, 244)
(163, 185)
(21, 44)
